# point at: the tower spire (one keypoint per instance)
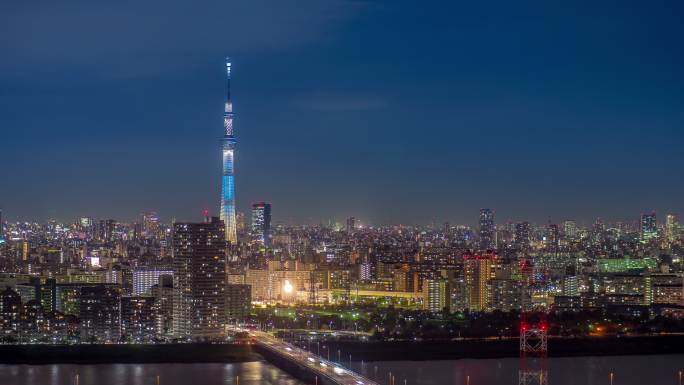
(228, 111)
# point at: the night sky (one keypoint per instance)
(390, 111)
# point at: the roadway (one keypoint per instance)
(318, 365)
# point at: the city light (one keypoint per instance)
(287, 287)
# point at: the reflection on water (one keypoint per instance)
(626, 370)
(249, 373)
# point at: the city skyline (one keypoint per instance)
(474, 222)
(423, 192)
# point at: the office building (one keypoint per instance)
(150, 225)
(261, 223)
(671, 228)
(552, 238)
(522, 235)
(351, 224)
(487, 230)
(570, 230)
(649, 227)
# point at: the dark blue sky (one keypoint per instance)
(391, 111)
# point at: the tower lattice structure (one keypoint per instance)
(533, 332)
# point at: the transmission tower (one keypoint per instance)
(533, 333)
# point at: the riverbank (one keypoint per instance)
(450, 350)
(109, 354)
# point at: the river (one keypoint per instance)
(626, 370)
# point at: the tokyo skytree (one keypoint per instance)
(228, 178)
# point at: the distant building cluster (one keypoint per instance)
(106, 281)
(150, 283)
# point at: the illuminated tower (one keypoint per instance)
(228, 177)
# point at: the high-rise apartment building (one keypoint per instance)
(477, 272)
(199, 276)
(138, 320)
(163, 303)
(10, 309)
(261, 223)
(436, 294)
(100, 313)
(504, 294)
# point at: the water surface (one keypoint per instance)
(627, 370)
(250, 373)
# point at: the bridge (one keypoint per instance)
(305, 365)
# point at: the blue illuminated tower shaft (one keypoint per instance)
(228, 177)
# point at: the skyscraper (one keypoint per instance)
(228, 178)
(552, 238)
(671, 228)
(570, 230)
(522, 235)
(351, 225)
(649, 227)
(261, 222)
(487, 230)
(199, 275)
